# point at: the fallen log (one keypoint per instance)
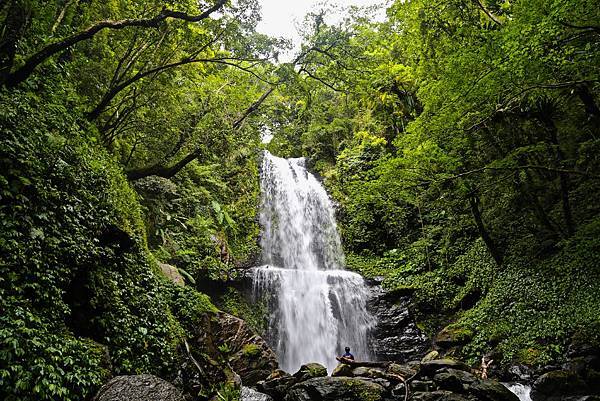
(366, 364)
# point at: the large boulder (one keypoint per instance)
(277, 384)
(439, 395)
(430, 367)
(342, 370)
(248, 354)
(490, 390)
(138, 388)
(556, 384)
(372, 373)
(309, 371)
(248, 394)
(336, 388)
(448, 381)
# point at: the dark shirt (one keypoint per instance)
(348, 356)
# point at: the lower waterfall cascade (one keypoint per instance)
(318, 308)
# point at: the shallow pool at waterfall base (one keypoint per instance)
(520, 390)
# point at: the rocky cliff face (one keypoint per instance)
(396, 337)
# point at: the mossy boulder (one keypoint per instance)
(277, 384)
(372, 373)
(309, 371)
(452, 336)
(249, 355)
(448, 381)
(430, 367)
(342, 370)
(336, 388)
(558, 383)
(138, 388)
(491, 390)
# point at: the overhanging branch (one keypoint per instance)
(15, 78)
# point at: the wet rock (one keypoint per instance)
(452, 336)
(336, 388)
(576, 349)
(429, 368)
(276, 385)
(440, 395)
(558, 383)
(248, 394)
(430, 356)
(172, 274)
(448, 381)
(138, 388)
(422, 385)
(396, 336)
(518, 373)
(309, 371)
(342, 370)
(368, 372)
(464, 376)
(249, 356)
(490, 390)
(405, 371)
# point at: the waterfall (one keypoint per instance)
(520, 390)
(318, 307)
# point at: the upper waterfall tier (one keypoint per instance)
(299, 230)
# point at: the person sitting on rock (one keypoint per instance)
(348, 355)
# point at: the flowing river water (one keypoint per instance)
(318, 308)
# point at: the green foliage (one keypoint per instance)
(254, 314)
(81, 297)
(458, 146)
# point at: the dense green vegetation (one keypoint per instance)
(459, 138)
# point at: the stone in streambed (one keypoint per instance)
(249, 394)
(491, 390)
(250, 356)
(440, 395)
(429, 368)
(138, 388)
(558, 383)
(405, 371)
(336, 388)
(277, 384)
(448, 381)
(309, 371)
(342, 370)
(430, 356)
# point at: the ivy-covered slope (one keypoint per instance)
(81, 298)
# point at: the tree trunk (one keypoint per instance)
(15, 24)
(563, 177)
(487, 239)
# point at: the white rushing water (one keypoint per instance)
(520, 390)
(320, 308)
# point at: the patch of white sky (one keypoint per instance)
(282, 18)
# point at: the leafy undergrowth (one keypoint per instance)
(527, 311)
(80, 299)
